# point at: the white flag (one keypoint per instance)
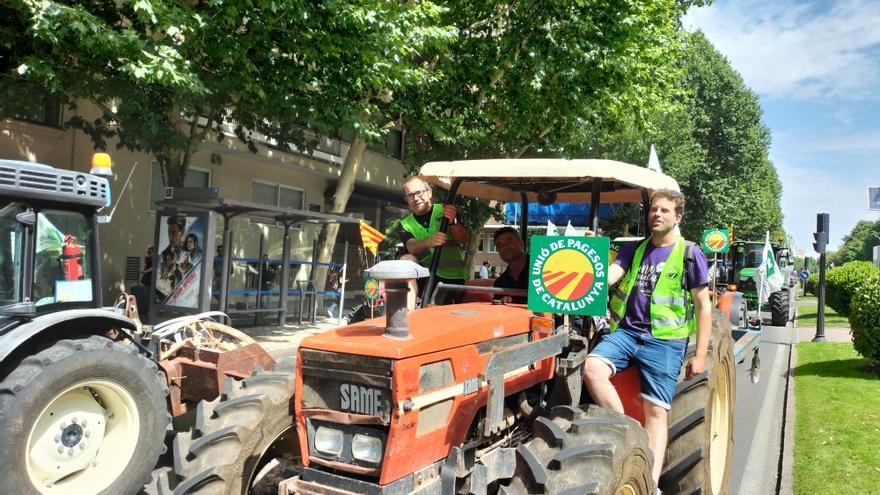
(653, 161)
(570, 231)
(551, 229)
(769, 273)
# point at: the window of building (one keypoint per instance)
(490, 242)
(46, 111)
(266, 193)
(195, 177)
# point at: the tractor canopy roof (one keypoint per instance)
(547, 179)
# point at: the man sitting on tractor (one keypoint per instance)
(512, 251)
(420, 233)
(662, 300)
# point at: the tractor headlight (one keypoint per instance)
(328, 440)
(365, 448)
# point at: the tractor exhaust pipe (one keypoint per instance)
(398, 276)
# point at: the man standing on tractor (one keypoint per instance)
(662, 300)
(420, 233)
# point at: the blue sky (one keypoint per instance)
(816, 68)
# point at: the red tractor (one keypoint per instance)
(472, 398)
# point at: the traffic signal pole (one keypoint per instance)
(820, 320)
(821, 237)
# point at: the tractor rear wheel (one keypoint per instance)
(236, 436)
(699, 453)
(81, 416)
(779, 307)
(595, 452)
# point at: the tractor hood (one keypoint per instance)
(748, 272)
(431, 329)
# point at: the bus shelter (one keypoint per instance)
(199, 208)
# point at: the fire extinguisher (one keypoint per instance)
(71, 259)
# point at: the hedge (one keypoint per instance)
(864, 319)
(841, 283)
(812, 286)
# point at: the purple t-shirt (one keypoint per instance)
(638, 305)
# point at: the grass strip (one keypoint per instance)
(837, 429)
(809, 313)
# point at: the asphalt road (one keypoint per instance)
(760, 415)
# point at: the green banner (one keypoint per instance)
(569, 275)
(716, 240)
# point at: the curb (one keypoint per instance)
(786, 468)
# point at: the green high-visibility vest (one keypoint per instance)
(451, 258)
(672, 311)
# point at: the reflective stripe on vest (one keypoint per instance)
(672, 312)
(451, 264)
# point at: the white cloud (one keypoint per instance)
(797, 50)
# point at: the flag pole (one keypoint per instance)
(715, 281)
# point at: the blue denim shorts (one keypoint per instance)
(659, 361)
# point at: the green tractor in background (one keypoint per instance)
(744, 259)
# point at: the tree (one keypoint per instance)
(533, 78)
(737, 184)
(859, 244)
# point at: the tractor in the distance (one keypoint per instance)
(744, 259)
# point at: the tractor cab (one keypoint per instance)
(48, 235)
(595, 183)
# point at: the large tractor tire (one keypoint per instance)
(592, 452)
(82, 416)
(236, 437)
(779, 307)
(699, 453)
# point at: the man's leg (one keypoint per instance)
(657, 424)
(611, 355)
(597, 376)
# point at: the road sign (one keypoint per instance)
(716, 240)
(569, 275)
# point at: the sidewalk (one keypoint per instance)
(831, 334)
(282, 342)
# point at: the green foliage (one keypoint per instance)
(737, 184)
(842, 282)
(530, 79)
(168, 75)
(812, 285)
(864, 318)
(859, 243)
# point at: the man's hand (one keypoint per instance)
(449, 211)
(437, 239)
(695, 366)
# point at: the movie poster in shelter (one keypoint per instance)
(179, 263)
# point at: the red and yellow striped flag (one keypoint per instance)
(370, 237)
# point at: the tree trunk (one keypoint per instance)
(473, 244)
(344, 187)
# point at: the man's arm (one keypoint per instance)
(459, 233)
(703, 314)
(615, 273)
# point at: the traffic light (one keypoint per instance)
(820, 241)
(821, 235)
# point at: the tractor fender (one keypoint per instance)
(730, 303)
(65, 324)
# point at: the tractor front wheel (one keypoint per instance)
(237, 437)
(81, 416)
(596, 451)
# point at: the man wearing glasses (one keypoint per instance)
(420, 233)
